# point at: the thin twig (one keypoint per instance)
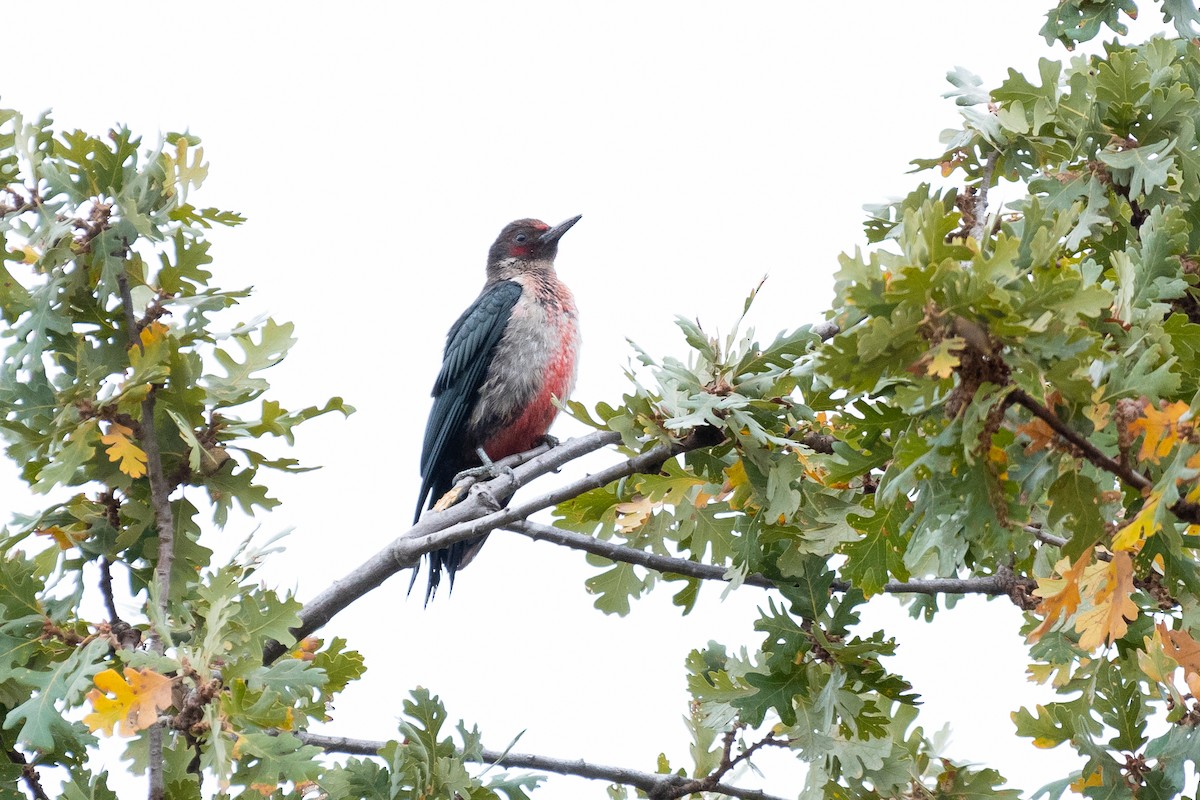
(106, 589)
(164, 523)
(1058, 541)
(616, 552)
(985, 182)
(649, 782)
(29, 774)
(728, 762)
(1188, 512)
(991, 585)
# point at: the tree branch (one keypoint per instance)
(106, 589)
(629, 555)
(164, 523)
(728, 762)
(985, 183)
(650, 782)
(29, 773)
(992, 585)
(1187, 512)
(480, 513)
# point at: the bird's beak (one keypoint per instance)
(555, 233)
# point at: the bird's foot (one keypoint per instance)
(488, 471)
(549, 441)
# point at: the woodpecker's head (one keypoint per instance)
(527, 240)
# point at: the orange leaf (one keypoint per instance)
(1181, 647)
(134, 704)
(64, 539)
(1109, 587)
(122, 449)
(1161, 429)
(1041, 435)
(1060, 597)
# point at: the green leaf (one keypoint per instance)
(1075, 505)
(41, 723)
(616, 586)
(239, 385)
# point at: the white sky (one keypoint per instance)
(378, 148)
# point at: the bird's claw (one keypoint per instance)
(488, 471)
(549, 441)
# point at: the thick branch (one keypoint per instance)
(164, 524)
(650, 782)
(1188, 512)
(474, 515)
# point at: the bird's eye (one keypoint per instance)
(521, 238)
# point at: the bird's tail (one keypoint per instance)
(451, 559)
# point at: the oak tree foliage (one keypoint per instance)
(1003, 400)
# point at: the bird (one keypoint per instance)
(506, 358)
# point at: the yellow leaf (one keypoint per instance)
(1060, 597)
(1095, 779)
(1109, 588)
(1154, 660)
(633, 514)
(122, 449)
(943, 359)
(1099, 412)
(134, 704)
(738, 482)
(29, 255)
(64, 539)
(1161, 429)
(153, 333)
(736, 474)
(1141, 528)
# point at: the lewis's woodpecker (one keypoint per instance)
(507, 355)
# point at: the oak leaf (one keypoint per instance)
(131, 702)
(1161, 429)
(1041, 435)
(634, 513)
(1140, 528)
(1181, 648)
(64, 539)
(1109, 586)
(1155, 659)
(131, 458)
(1060, 596)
